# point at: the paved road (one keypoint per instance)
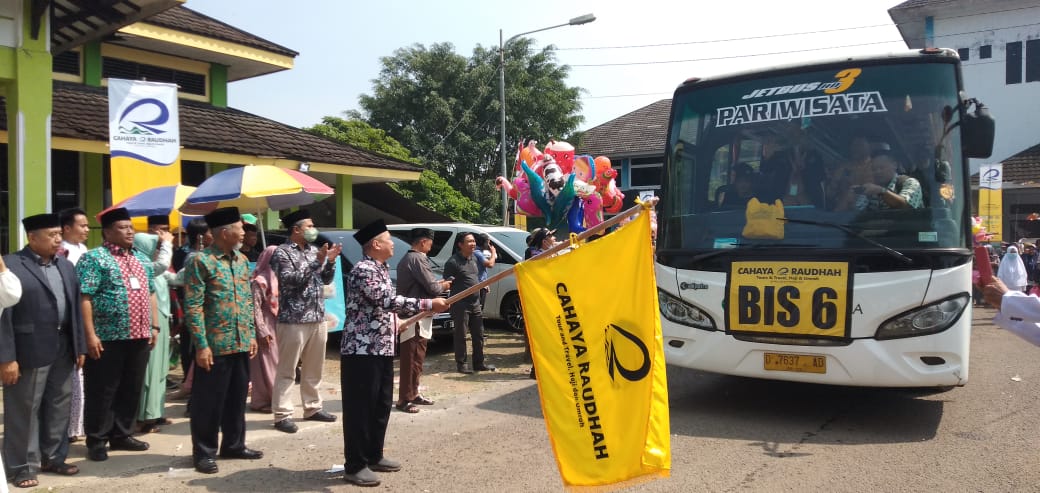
(728, 434)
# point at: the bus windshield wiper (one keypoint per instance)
(857, 234)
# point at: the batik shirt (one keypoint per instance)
(372, 303)
(300, 280)
(911, 191)
(119, 281)
(219, 301)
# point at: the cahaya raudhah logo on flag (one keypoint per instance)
(144, 138)
(593, 322)
(143, 121)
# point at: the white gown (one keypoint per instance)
(10, 293)
(1020, 314)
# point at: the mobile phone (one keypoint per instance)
(449, 278)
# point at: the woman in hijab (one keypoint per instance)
(265, 312)
(152, 407)
(1012, 271)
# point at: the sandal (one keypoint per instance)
(422, 401)
(26, 479)
(147, 428)
(408, 407)
(61, 468)
(163, 422)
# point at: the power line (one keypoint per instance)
(727, 40)
(769, 36)
(804, 50)
(629, 95)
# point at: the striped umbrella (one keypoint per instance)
(156, 201)
(256, 188)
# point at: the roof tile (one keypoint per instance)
(187, 20)
(81, 112)
(643, 131)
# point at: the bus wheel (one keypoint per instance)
(512, 313)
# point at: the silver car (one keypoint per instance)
(503, 300)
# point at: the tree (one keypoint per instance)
(431, 191)
(445, 108)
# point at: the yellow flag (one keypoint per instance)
(592, 319)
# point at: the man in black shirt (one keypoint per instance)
(461, 268)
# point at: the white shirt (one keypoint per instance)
(75, 250)
(1020, 314)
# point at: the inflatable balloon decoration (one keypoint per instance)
(560, 186)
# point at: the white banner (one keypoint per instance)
(143, 122)
(991, 176)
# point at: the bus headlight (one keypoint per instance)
(680, 312)
(928, 319)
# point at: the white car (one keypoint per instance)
(503, 301)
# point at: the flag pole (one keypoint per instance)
(621, 216)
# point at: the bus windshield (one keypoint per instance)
(857, 157)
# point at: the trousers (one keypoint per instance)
(218, 405)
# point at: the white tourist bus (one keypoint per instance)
(848, 288)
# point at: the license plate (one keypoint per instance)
(789, 298)
(805, 363)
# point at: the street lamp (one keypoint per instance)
(584, 19)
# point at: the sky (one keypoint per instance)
(633, 54)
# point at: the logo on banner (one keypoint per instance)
(130, 122)
(144, 122)
(633, 373)
(991, 176)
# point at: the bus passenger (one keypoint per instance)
(889, 190)
(736, 195)
(793, 175)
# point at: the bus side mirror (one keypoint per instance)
(977, 131)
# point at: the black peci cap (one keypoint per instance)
(222, 217)
(371, 230)
(113, 216)
(294, 217)
(41, 221)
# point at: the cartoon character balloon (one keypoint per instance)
(562, 187)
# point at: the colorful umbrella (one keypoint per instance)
(154, 201)
(256, 188)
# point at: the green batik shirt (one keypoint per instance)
(218, 302)
(105, 275)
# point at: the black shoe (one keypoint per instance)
(321, 416)
(484, 368)
(246, 453)
(286, 426)
(97, 454)
(531, 375)
(461, 367)
(206, 466)
(364, 477)
(128, 443)
(385, 465)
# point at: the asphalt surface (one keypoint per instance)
(485, 433)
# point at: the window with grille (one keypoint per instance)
(187, 82)
(66, 63)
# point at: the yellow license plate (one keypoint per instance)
(805, 363)
(789, 298)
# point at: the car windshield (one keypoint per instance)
(514, 240)
(869, 147)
